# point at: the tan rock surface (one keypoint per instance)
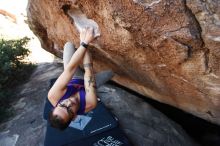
(167, 50)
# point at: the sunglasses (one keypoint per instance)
(68, 109)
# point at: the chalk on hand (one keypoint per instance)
(81, 21)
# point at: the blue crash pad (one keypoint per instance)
(98, 127)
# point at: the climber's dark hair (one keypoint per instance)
(57, 122)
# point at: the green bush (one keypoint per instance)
(13, 70)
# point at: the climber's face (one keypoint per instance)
(67, 109)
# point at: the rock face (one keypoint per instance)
(167, 50)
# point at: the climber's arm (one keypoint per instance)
(89, 81)
(59, 87)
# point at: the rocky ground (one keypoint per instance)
(144, 125)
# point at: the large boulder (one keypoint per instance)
(167, 50)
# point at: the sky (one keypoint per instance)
(11, 30)
(14, 6)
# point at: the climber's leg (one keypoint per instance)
(103, 77)
(68, 51)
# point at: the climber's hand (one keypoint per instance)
(87, 35)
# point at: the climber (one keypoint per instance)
(73, 94)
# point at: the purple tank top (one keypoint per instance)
(74, 86)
